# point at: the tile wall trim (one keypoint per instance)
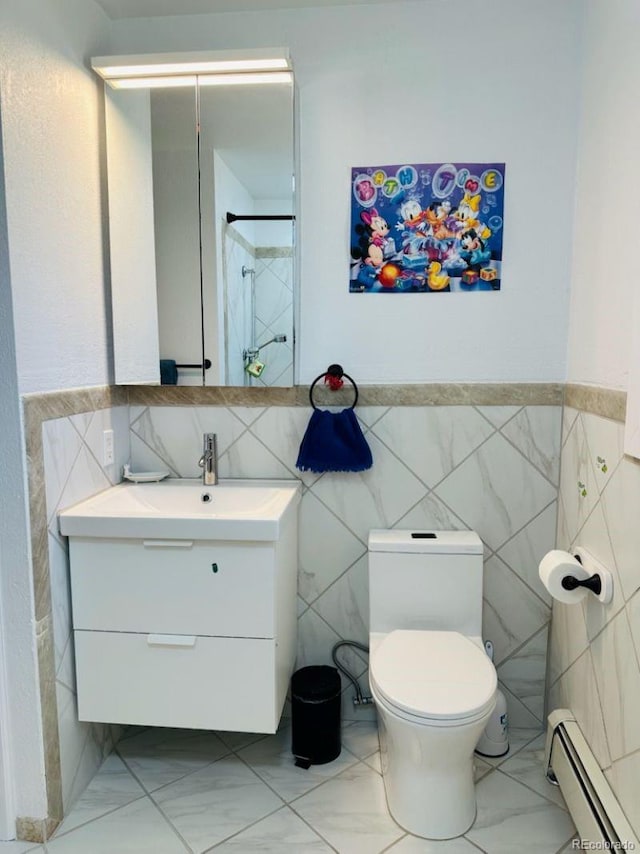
(419, 394)
(38, 408)
(606, 402)
(274, 252)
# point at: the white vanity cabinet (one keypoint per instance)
(185, 632)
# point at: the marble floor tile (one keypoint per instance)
(360, 738)
(623, 776)
(281, 832)
(216, 802)
(138, 828)
(356, 713)
(374, 761)
(133, 729)
(350, 812)
(160, 756)
(273, 761)
(415, 845)
(20, 848)
(480, 768)
(238, 740)
(527, 766)
(227, 805)
(511, 818)
(518, 738)
(112, 787)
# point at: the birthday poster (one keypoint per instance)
(427, 228)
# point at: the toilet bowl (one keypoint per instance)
(432, 682)
(434, 693)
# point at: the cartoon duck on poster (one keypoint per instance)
(427, 228)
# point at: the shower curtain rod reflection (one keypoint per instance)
(233, 217)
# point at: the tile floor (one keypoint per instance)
(178, 791)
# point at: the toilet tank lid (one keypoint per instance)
(425, 542)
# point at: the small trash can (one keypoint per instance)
(315, 715)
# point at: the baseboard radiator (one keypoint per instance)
(570, 764)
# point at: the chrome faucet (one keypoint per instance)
(208, 462)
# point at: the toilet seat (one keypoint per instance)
(432, 676)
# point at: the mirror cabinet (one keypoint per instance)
(200, 171)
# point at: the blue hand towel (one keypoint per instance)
(168, 372)
(333, 441)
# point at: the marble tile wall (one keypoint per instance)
(491, 468)
(238, 253)
(73, 470)
(272, 303)
(274, 314)
(594, 656)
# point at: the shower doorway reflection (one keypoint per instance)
(259, 311)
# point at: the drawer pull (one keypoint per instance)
(214, 567)
(167, 544)
(171, 640)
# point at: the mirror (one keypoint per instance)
(217, 298)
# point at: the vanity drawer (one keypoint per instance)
(173, 586)
(184, 681)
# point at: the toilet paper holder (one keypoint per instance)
(600, 582)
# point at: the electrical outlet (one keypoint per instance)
(108, 455)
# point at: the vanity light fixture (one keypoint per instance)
(217, 68)
(248, 79)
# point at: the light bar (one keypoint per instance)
(170, 66)
(152, 82)
(245, 79)
(248, 79)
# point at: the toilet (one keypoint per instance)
(433, 684)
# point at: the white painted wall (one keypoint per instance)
(421, 82)
(274, 232)
(22, 760)
(52, 120)
(604, 281)
(132, 236)
(53, 313)
(229, 194)
(7, 809)
(175, 178)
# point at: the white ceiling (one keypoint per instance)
(160, 8)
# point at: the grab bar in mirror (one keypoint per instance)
(207, 365)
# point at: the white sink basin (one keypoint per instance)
(184, 509)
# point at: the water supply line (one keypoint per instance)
(359, 699)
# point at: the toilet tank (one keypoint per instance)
(425, 580)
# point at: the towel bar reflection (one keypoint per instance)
(231, 217)
(206, 366)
